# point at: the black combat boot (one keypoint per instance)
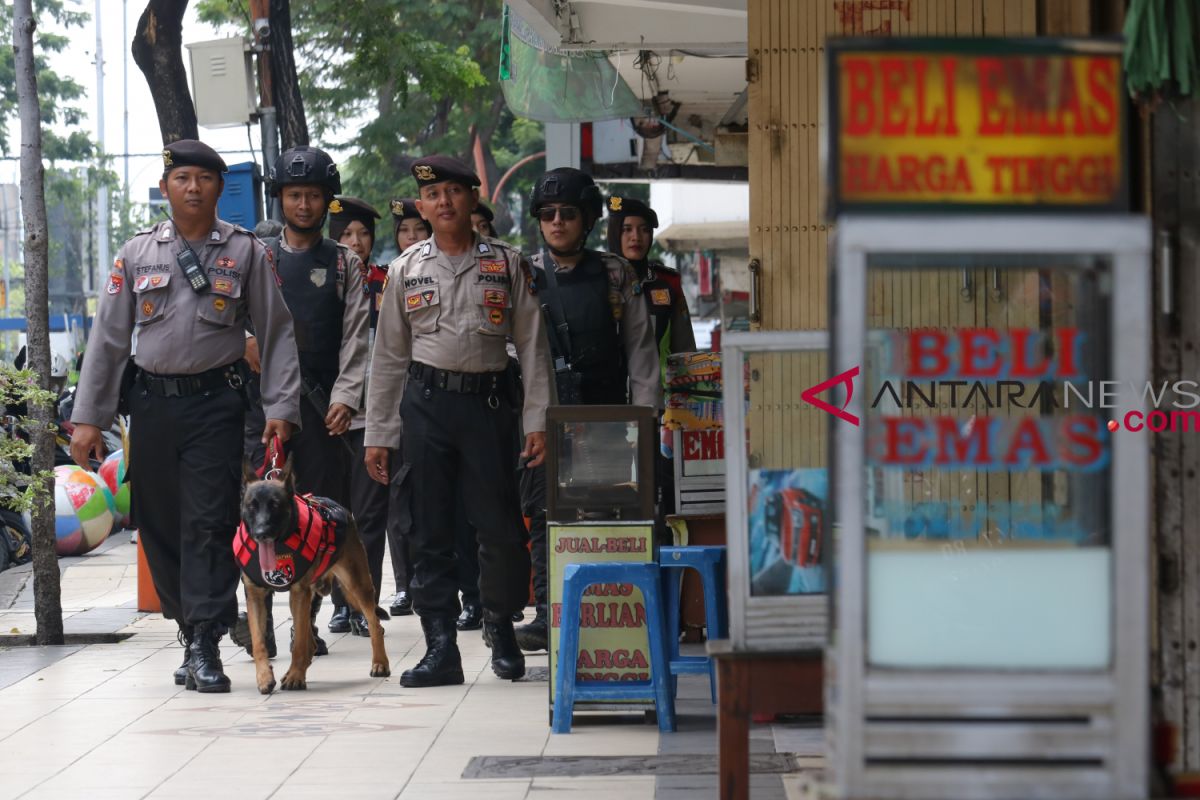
(240, 634)
(532, 636)
(185, 639)
(205, 673)
(442, 664)
(340, 621)
(508, 662)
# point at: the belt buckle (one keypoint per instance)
(454, 382)
(441, 379)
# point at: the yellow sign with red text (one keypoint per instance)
(957, 123)
(613, 644)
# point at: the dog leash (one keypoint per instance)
(270, 469)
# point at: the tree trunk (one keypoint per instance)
(46, 590)
(158, 52)
(289, 105)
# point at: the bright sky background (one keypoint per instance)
(78, 61)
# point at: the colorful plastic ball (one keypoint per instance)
(113, 473)
(84, 511)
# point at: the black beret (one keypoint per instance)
(485, 212)
(405, 208)
(437, 169)
(344, 210)
(192, 153)
(620, 207)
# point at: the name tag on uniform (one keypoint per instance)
(421, 298)
(660, 297)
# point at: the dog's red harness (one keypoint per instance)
(320, 533)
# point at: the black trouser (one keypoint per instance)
(320, 462)
(369, 504)
(399, 525)
(185, 466)
(533, 503)
(453, 439)
(467, 543)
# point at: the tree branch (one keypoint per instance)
(157, 50)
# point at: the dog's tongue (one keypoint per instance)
(266, 556)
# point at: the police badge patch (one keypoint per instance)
(660, 297)
(318, 276)
(115, 283)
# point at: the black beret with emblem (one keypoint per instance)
(192, 153)
(344, 210)
(618, 209)
(437, 169)
(485, 212)
(406, 208)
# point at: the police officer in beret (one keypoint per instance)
(352, 223)
(408, 228)
(481, 220)
(631, 226)
(600, 337)
(440, 358)
(179, 294)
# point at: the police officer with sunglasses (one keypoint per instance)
(601, 337)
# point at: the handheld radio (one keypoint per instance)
(189, 262)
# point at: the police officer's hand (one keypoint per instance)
(277, 427)
(535, 449)
(338, 418)
(86, 441)
(376, 461)
(251, 354)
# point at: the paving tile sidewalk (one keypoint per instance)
(105, 720)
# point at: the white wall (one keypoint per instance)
(700, 201)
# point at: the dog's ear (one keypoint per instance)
(289, 480)
(249, 476)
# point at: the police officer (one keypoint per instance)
(352, 223)
(179, 293)
(440, 358)
(408, 228)
(600, 336)
(322, 284)
(631, 226)
(482, 219)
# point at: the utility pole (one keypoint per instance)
(100, 268)
(125, 90)
(268, 126)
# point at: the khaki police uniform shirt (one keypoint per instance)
(181, 332)
(637, 329)
(456, 320)
(356, 327)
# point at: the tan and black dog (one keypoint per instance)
(299, 544)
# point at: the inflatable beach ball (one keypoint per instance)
(113, 473)
(84, 510)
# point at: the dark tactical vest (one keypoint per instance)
(310, 283)
(317, 541)
(597, 354)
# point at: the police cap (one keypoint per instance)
(191, 153)
(344, 210)
(406, 208)
(620, 207)
(437, 169)
(485, 212)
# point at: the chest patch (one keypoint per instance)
(495, 298)
(421, 298)
(660, 297)
(490, 267)
(318, 276)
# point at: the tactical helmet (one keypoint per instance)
(570, 186)
(304, 165)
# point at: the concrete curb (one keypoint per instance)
(12, 582)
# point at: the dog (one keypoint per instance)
(298, 545)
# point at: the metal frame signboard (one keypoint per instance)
(990, 635)
(981, 124)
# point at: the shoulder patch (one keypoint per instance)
(527, 271)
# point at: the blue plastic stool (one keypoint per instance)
(710, 563)
(576, 579)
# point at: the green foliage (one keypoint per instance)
(58, 93)
(19, 491)
(396, 79)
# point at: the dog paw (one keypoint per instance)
(293, 682)
(266, 688)
(380, 671)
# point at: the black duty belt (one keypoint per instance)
(461, 382)
(187, 385)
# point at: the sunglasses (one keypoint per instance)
(568, 214)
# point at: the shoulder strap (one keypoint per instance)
(554, 307)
